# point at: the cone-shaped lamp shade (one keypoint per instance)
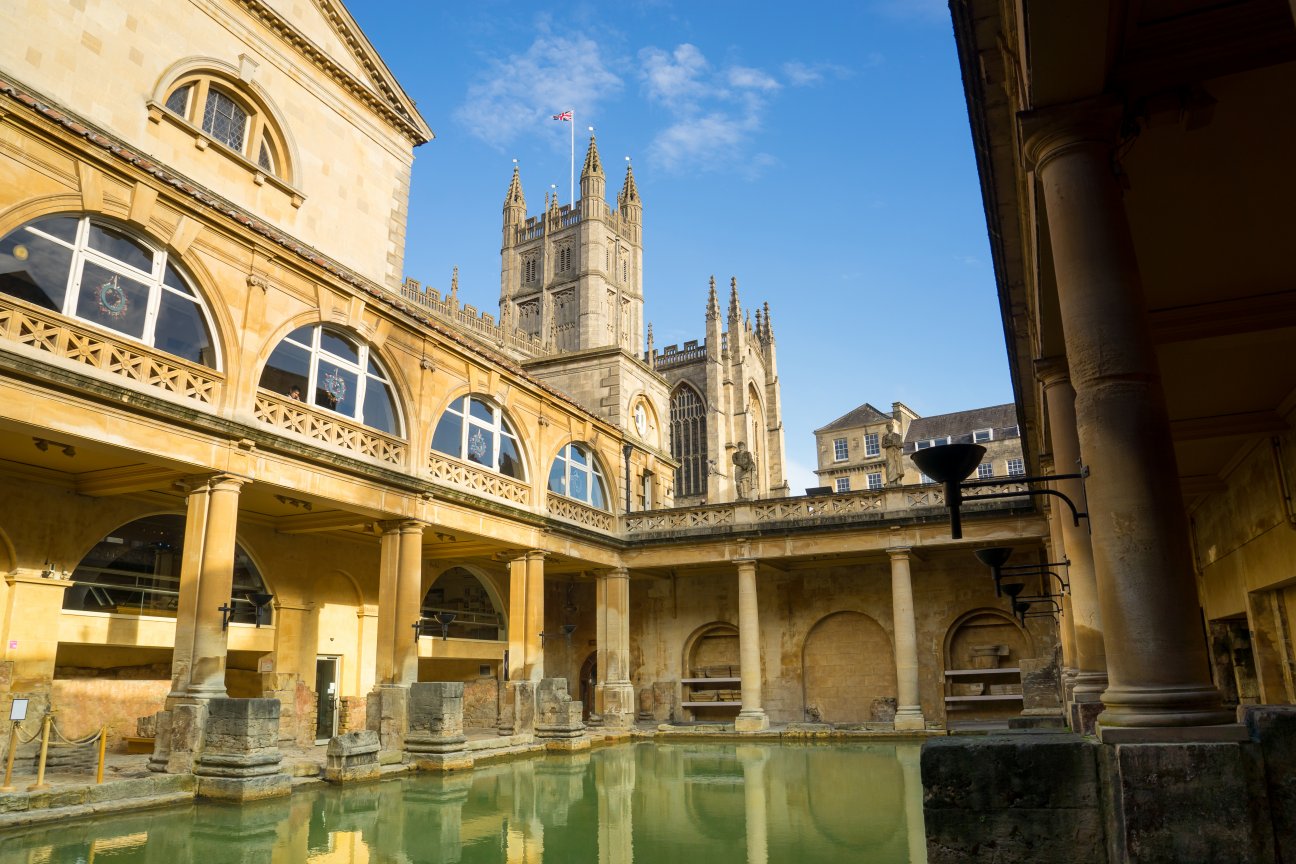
(994, 557)
(1012, 589)
(949, 462)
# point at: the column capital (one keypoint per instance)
(900, 553)
(1052, 371)
(206, 482)
(613, 573)
(229, 482)
(1048, 132)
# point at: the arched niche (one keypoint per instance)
(848, 670)
(711, 646)
(983, 628)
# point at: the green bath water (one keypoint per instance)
(687, 803)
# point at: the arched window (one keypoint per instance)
(459, 591)
(325, 367)
(135, 570)
(475, 430)
(98, 272)
(229, 117)
(688, 441)
(576, 474)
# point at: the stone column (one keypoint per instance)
(535, 614)
(752, 717)
(409, 603)
(614, 694)
(1156, 653)
(197, 499)
(388, 580)
(215, 585)
(1057, 552)
(517, 632)
(909, 713)
(1090, 657)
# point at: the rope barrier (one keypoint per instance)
(90, 739)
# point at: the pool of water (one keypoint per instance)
(686, 803)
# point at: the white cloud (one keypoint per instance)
(744, 77)
(715, 111)
(674, 77)
(800, 477)
(801, 74)
(520, 92)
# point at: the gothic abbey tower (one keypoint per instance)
(571, 279)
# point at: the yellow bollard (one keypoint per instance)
(40, 783)
(13, 745)
(103, 748)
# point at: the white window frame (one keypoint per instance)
(359, 368)
(500, 427)
(841, 452)
(985, 471)
(874, 481)
(872, 444)
(154, 279)
(842, 485)
(980, 436)
(1016, 468)
(593, 474)
(931, 442)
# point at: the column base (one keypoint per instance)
(1196, 706)
(1084, 716)
(751, 721)
(910, 720)
(618, 701)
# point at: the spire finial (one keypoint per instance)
(735, 308)
(769, 327)
(593, 164)
(514, 196)
(713, 302)
(454, 285)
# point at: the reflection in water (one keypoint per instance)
(633, 804)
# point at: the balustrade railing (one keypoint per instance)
(45, 331)
(455, 473)
(895, 502)
(582, 514)
(290, 415)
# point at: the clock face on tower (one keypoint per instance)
(641, 420)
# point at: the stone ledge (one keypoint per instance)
(1228, 733)
(58, 814)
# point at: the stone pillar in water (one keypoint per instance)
(240, 758)
(435, 741)
(558, 716)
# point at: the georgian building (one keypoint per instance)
(240, 454)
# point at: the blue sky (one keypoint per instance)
(818, 151)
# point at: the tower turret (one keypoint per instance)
(628, 202)
(713, 326)
(593, 185)
(515, 201)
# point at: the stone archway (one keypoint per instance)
(848, 670)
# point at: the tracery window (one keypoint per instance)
(688, 441)
(576, 474)
(99, 273)
(229, 117)
(475, 430)
(332, 370)
(135, 570)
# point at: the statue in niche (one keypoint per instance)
(744, 471)
(893, 443)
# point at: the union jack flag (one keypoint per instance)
(566, 115)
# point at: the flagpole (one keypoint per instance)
(571, 178)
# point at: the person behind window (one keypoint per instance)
(295, 393)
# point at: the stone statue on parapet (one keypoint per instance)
(893, 444)
(744, 470)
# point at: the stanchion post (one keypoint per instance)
(13, 745)
(46, 722)
(103, 748)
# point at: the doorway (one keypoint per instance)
(588, 682)
(326, 706)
